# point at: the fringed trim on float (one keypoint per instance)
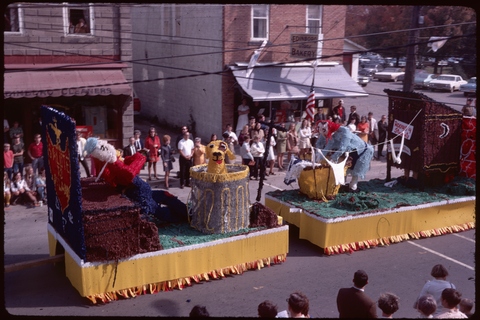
(170, 285)
(385, 241)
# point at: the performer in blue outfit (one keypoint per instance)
(343, 140)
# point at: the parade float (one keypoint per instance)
(121, 239)
(434, 196)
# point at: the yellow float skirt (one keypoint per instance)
(351, 233)
(168, 269)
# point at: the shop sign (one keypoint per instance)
(303, 45)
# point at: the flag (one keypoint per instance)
(311, 105)
(254, 58)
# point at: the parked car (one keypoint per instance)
(389, 74)
(447, 82)
(373, 68)
(470, 87)
(363, 80)
(365, 73)
(420, 80)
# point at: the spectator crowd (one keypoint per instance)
(438, 299)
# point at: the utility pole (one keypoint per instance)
(412, 51)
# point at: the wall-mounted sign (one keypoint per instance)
(303, 45)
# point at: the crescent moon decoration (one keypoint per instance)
(446, 130)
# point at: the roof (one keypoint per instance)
(293, 82)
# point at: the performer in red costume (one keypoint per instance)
(124, 175)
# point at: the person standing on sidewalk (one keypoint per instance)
(382, 135)
(18, 158)
(373, 128)
(257, 149)
(8, 160)
(185, 148)
(35, 152)
(198, 152)
(166, 153)
(152, 143)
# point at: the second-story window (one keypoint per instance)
(260, 22)
(11, 16)
(314, 19)
(79, 19)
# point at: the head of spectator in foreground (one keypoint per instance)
(199, 311)
(466, 306)
(451, 298)
(360, 279)
(439, 272)
(267, 309)
(427, 305)
(388, 303)
(298, 304)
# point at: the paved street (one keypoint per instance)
(400, 268)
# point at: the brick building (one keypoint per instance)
(74, 57)
(191, 61)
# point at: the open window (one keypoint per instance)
(12, 18)
(78, 19)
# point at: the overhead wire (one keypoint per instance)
(203, 73)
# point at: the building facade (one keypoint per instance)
(189, 60)
(75, 57)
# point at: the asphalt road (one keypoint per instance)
(400, 268)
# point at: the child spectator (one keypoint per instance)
(20, 191)
(8, 160)
(427, 306)
(41, 185)
(450, 300)
(388, 303)
(466, 306)
(267, 309)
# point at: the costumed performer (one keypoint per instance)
(361, 153)
(124, 175)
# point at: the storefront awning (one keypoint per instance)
(276, 83)
(30, 83)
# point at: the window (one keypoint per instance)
(314, 19)
(78, 19)
(12, 17)
(170, 17)
(260, 22)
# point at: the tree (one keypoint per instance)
(380, 23)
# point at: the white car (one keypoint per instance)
(446, 82)
(389, 74)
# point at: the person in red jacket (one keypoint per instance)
(152, 143)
